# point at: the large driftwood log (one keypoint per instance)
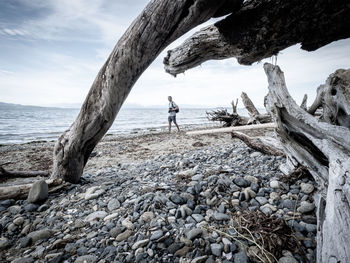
(13, 174)
(323, 146)
(159, 24)
(262, 28)
(266, 145)
(255, 116)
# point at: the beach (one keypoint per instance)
(159, 197)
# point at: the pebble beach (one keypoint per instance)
(163, 198)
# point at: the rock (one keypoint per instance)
(86, 259)
(177, 199)
(18, 221)
(122, 236)
(40, 234)
(221, 216)
(194, 233)
(262, 200)
(156, 235)
(275, 184)
(241, 257)
(241, 182)
(4, 243)
(113, 204)
(199, 259)
(175, 247)
(147, 216)
(96, 216)
(31, 207)
(23, 260)
(216, 249)
(287, 260)
(182, 251)
(114, 232)
(306, 207)
(306, 188)
(197, 177)
(289, 204)
(38, 192)
(198, 217)
(127, 223)
(25, 241)
(93, 192)
(139, 244)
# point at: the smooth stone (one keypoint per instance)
(197, 177)
(275, 184)
(140, 244)
(199, 259)
(43, 208)
(147, 216)
(194, 233)
(287, 260)
(221, 216)
(175, 247)
(93, 192)
(289, 204)
(262, 200)
(216, 249)
(198, 217)
(31, 207)
(122, 236)
(177, 199)
(311, 228)
(182, 251)
(241, 257)
(114, 232)
(38, 192)
(306, 207)
(306, 188)
(113, 204)
(241, 182)
(95, 216)
(18, 221)
(127, 223)
(40, 234)
(86, 259)
(156, 235)
(25, 241)
(4, 243)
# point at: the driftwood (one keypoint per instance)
(18, 174)
(255, 116)
(266, 145)
(159, 24)
(235, 119)
(323, 147)
(230, 129)
(260, 29)
(21, 191)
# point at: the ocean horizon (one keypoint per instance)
(22, 124)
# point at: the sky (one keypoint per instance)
(51, 51)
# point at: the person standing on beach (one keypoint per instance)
(173, 108)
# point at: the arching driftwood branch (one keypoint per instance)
(262, 28)
(160, 23)
(323, 147)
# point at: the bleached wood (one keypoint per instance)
(230, 129)
(325, 150)
(13, 174)
(159, 24)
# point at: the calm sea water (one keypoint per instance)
(19, 124)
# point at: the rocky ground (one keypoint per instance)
(214, 200)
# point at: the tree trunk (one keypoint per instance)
(323, 147)
(255, 116)
(160, 23)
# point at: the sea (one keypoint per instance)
(22, 124)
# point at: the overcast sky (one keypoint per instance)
(51, 51)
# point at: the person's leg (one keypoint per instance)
(177, 126)
(169, 121)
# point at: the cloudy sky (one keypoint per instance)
(51, 51)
